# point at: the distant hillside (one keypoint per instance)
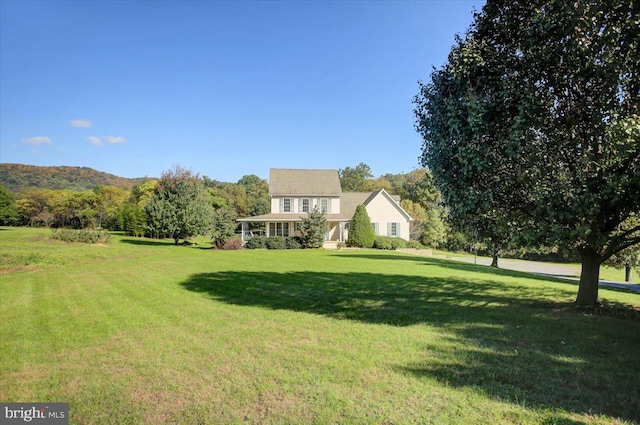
(19, 177)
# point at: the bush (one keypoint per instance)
(276, 242)
(232, 244)
(293, 243)
(386, 242)
(256, 242)
(83, 235)
(414, 245)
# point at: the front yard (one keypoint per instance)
(141, 331)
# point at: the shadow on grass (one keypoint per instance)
(511, 344)
(147, 242)
(458, 266)
(166, 243)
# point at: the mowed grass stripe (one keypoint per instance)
(185, 335)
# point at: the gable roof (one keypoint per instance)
(349, 201)
(391, 199)
(295, 182)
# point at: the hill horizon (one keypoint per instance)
(19, 177)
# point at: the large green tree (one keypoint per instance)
(8, 210)
(180, 207)
(535, 119)
(355, 179)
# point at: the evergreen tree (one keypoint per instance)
(361, 233)
(313, 228)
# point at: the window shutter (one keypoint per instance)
(398, 234)
(388, 229)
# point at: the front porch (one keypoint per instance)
(290, 227)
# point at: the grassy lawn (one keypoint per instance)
(141, 331)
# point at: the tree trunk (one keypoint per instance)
(589, 278)
(627, 273)
(494, 261)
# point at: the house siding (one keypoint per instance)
(296, 203)
(383, 211)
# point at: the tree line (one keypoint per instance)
(181, 203)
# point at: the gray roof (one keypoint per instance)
(295, 182)
(350, 200)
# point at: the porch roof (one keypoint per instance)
(285, 217)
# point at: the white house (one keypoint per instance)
(294, 193)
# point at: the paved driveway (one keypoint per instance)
(556, 270)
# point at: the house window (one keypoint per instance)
(279, 229)
(393, 229)
(324, 205)
(286, 205)
(305, 205)
(375, 228)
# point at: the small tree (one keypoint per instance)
(313, 228)
(361, 233)
(224, 226)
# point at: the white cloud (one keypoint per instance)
(94, 140)
(99, 141)
(115, 140)
(37, 141)
(81, 123)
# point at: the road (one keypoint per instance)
(555, 270)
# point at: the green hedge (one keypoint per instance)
(387, 242)
(83, 235)
(273, 242)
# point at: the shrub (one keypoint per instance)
(83, 235)
(341, 245)
(386, 242)
(232, 244)
(382, 242)
(276, 242)
(414, 245)
(256, 242)
(361, 233)
(293, 243)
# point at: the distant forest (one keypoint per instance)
(19, 177)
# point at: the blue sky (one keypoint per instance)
(223, 88)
